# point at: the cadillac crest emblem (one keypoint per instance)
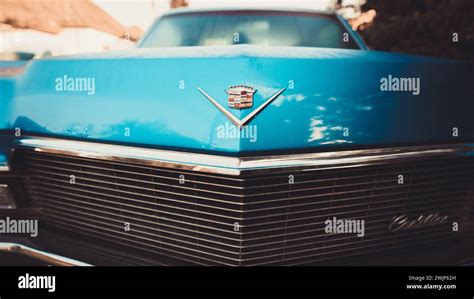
(240, 96)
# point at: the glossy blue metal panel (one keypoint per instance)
(3, 158)
(7, 89)
(13, 63)
(6, 143)
(333, 90)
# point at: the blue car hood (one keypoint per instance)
(333, 98)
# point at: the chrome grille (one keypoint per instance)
(206, 219)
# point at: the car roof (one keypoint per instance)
(240, 8)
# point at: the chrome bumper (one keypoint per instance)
(49, 258)
(238, 165)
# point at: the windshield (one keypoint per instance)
(249, 27)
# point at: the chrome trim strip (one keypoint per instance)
(219, 107)
(254, 113)
(49, 258)
(119, 153)
(359, 41)
(234, 165)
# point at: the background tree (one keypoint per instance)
(427, 27)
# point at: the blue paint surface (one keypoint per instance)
(336, 100)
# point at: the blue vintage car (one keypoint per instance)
(239, 137)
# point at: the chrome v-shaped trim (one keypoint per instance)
(240, 123)
(235, 166)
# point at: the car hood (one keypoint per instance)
(332, 98)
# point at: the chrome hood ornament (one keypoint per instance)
(242, 97)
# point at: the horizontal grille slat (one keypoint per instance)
(113, 176)
(135, 221)
(183, 254)
(213, 232)
(347, 252)
(140, 201)
(248, 239)
(133, 208)
(275, 222)
(108, 165)
(103, 224)
(247, 219)
(250, 203)
(332, 248)
(178, 187)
